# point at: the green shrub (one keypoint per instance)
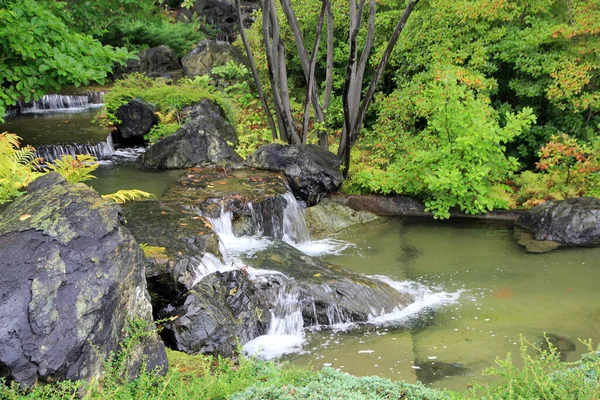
(456, 160)
(542, 376)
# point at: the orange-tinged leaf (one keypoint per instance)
(24, 217)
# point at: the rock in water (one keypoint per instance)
(220, 310)
(325, 219)
(202, 141)
(571, 222)
(71, 277)
(311, 171)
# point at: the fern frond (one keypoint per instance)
(167, 118)
(503, 196)
(123, 196)
(78, 169)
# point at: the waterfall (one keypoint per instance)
(59, 102)
(208, 265)
(51, 152)
(294, 227)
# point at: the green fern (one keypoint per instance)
(18, 167)
(74, 170)
(123, 196)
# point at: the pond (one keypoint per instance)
(505, 293)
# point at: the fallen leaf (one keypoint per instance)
(163, 212)
(317, 275)
(183, 224)
(24, 217)
(222, 183)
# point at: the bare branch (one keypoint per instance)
(255, 76)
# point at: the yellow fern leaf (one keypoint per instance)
(123, 196)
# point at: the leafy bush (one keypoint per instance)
(17, 167)
(542, 376)
(457, 159)
(40, 52)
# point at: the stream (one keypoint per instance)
(476, 290)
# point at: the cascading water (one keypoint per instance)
(60, 103)
(51, 152)
(286, 332)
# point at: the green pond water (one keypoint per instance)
(505, 293)
(51, 128)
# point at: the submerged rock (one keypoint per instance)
(561, 344)
(571, 222)
(72, 275)
(202, 141)
(325, 219)
(222, 309)
(311, 171)
(326, 293)
(137, 118)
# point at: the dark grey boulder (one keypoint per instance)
(327, 294)
(137, 118)
(212, 111)
(72, 275)
(208, 54)
(220, 310)
(311, 171)
(154, 62)
(571, 222)
(200, 142)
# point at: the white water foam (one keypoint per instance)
(425, 299)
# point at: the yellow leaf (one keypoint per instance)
(24, 217)
(317, 275)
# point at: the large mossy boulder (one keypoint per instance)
(71, 277)
(571, 222)
(208, 54)
(137, 118)
(220, 311)
(327, 294)
(311, 171)
(202, 141)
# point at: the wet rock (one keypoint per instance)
(327, 218)
(561, 344)
(154, 62)
(72, 275)
(311, 171)
(327, 294)
(202, 141)
(571, 222)
(220, 310)
(255, 198)
(137, 118)
(208, 54)
(176, 238)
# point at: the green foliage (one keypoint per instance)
(541, 54)
(125, 195)
(140, 34)
(456, 160)
(41, 53)
(542, 376)
(332, 384)
(75, 169)
(17, 167)
(169, 100)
